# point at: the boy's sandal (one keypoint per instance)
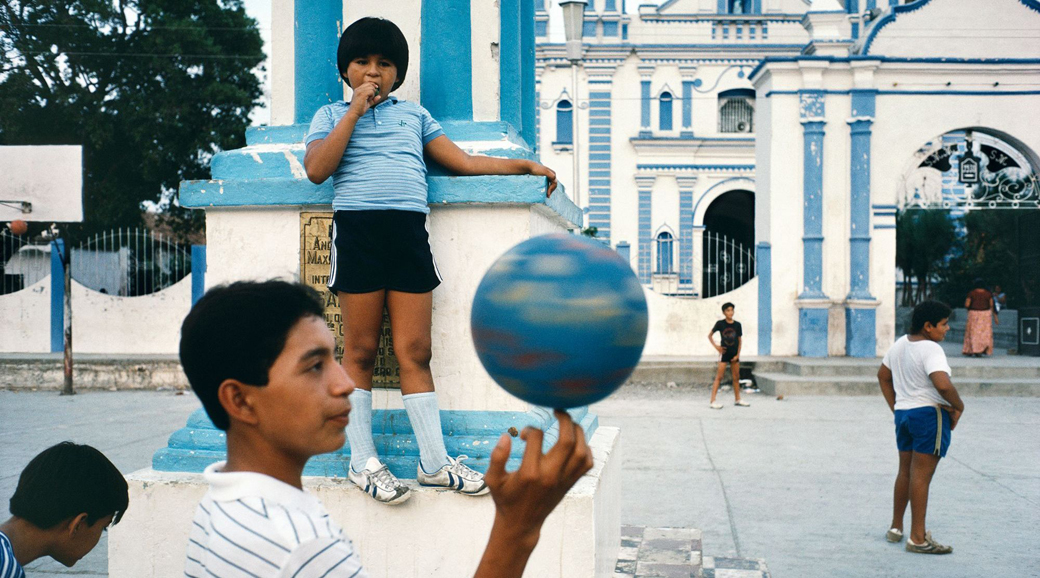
(715, 405)
(894, 535)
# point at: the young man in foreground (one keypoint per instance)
(261, 360)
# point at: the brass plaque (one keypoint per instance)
(315, 245)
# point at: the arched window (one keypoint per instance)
(564, 122)
(666, 111)
(739, 7)
(737, 110)
(664, 252)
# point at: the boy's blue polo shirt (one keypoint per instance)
(382, 167)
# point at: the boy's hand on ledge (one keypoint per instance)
(544, 171)
(526, 497)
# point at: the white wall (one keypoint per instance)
(680, 326)
(103, 323)
(26, 316)
(50, 177)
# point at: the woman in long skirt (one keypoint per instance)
(978, 333)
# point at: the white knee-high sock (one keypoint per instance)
(425, 416)
(359, 429)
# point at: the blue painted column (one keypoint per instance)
(600, 83)
(764, 266)
(686, 184)
(57, 297)
(446, 75)
(644, 106)
(198, 272)
(528, 85)
(645, 185)
(509, 64)
(687, 108)
(812, 316)
(315, 39)
(860, 320)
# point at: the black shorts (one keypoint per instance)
(373, 250)
(728, 355)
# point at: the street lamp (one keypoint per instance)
(573, 29)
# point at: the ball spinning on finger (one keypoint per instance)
(559, 321)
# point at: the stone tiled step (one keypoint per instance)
(786, 384)
(677, 552)
(968, 368)
(693, 371)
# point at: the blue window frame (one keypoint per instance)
(564, 122)
(664, 252)
(666, 111)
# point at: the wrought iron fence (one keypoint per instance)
(725, 265)
(130, 262)
(22, 263)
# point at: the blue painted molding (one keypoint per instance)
(446, 75)
(685, 234)
(649, 167)
(921, 92)
(859, 209)
(812, 110)
(57, 297)
(315, 40)
(198, 272)
(474, 433)
(645, 200)
(644, 101)
(860, 332)
(687, 104)
(889, 17)
(764, 265)
(490, 189)
(599, 180)
(723, 182)
(883, 59)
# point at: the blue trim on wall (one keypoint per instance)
(877, 58)
(705, 194)
(198, 272)
(764, 264)
(889, 18)
(685, 235)
(509, 66)
(812, 106)
(57, 297)
(644, 234)
(696, 167)
(687, 103)
(446, 76)
(860, 332)
(812, 332)
(315, 40)
(859, 209)
(528, 81)
(600, 193)
(644, 99)
(664, 115)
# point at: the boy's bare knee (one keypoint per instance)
(417, 355)
(362, 357)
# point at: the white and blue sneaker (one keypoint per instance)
(377, 481)
(457, 476)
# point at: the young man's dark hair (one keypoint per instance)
(727, 305)
(373, 36)
(928, 312)
(236, 332)
(67, 480)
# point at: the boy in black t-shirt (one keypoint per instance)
(729, 353)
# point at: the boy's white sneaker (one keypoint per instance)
(715, 405)
(457, 476)
(742, 403)
(377, 481)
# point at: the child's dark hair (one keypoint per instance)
(237, 331)
(727, 305)
(928, 312)
(67, 480)
(373, 36)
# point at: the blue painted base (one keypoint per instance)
(812, 332)
(860, 333)
(473, 433)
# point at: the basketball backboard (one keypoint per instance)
(41, 183)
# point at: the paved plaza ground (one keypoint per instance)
(803, 483)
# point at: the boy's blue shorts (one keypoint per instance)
(924, 430)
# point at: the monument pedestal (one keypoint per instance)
(435, 534)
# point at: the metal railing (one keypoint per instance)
(22, 263)
(130, 262)
(725, 265)
(736, 115)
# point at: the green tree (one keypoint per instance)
(149, 88)
(989, 252)
(924, 241)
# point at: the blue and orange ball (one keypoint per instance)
(559, 321)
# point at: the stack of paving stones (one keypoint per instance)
(675, 553)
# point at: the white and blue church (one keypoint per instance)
(757, 151)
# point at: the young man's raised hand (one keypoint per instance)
(526, 497)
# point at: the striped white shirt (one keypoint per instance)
(252, 525)
(382, 166)
(9, 567)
